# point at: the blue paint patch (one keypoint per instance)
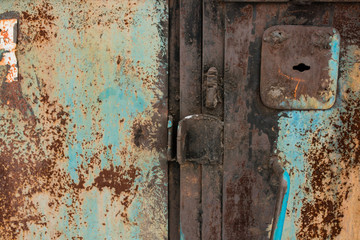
(334, 61)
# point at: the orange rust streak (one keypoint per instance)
(293, 79)
(296, 89)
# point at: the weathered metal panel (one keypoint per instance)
(319, 149)
(83, 130)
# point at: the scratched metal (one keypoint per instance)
(81, 152)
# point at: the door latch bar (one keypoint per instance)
(199, 139)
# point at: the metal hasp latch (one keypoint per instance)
(299, 67)
(199, 139)
(211, 86)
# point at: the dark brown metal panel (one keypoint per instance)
(190, 103)
(174, 201)
(250, 128)
(237, 215)
(213, 51)
(174, 110)
(190, 57)
(211, 202)
(190, 201)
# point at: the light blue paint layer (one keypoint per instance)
(182, 236)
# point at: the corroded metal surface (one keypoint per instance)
(83, 130)
(299, 67)
(318, 148)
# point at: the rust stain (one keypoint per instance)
(40, 24)
(298, 80)
(117, 178)
(79, 154)
(17, 212)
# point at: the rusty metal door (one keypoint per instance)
(83, 116)
(283, 78)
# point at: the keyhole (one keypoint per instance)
(301, 67)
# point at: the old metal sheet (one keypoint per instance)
(83, 130)
(299, 67)
(319, 149)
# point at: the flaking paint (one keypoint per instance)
(86, 158)
(319, 149)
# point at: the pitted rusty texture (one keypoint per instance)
(320, 149)
(80, 152)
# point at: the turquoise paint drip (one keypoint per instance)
(182, 236)
(295, 131)
(280, 223)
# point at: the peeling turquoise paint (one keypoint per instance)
(296, 128)
(96, 83)
(335, 54)
(299, 154)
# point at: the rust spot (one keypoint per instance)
(37, 25)
(142, 130)
(239, 216)
(117, 178)
(11, 95)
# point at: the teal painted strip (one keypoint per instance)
(280, 223)
(182, 236)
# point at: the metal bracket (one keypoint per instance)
(199, 139)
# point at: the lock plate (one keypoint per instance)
(299, 67)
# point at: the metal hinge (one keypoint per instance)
(199, 139)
